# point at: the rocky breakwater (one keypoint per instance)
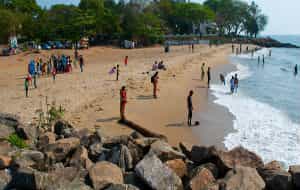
(66, 158)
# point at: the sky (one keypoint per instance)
(283, 14)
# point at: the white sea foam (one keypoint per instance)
(258, 126)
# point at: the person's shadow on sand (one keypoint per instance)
(107, 119)
(143, 97)
(195, 124)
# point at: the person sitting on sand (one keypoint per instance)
(202, 71)
(154, 66)
(154, 81)
(123, 101)
(232, 85)
(161, 66)
(112, 71)
(222, 79)
(190, 108)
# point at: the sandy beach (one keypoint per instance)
(91, 98)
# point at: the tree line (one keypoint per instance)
(141, 20)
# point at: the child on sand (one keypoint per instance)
(154, 81)
(123, 101)
(190, 108)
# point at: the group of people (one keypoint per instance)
(159, 66)
(53, 65)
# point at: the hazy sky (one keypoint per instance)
(283, 14)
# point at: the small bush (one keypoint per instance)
(15, 140)
(55, 114)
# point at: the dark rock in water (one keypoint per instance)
(238, 157)
(165, 152)
(158, 176)
(5, 178)
(202, 154)
(276, 179)
(201, 180)
(269, 42)
(61, 149)
(121, 187)
(186, 149)
(103, 174)
(244, 178)
(46, 139)
(63, 129)
(80, 158)
(178, 166)
(295, 171)
(5, 162)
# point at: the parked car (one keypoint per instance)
(68, 45)
(51, 44)
(59, 45)
(46, 46)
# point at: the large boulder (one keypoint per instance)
(61, 149)
(121, 187)
(5, 162)
(63, 129)
(80, 158)
(157, 175)
(201, 179)
(29, 158)
(46, 139)
(295, 171)
(244, 178)
(4, 179)
(202, 154)
(103, 174)
(178, 166)
(276, 179)
(238, 157)
(164, 151)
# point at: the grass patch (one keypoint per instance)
(15, 140)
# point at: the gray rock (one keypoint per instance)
(136, 135)
(4, 179)
(165, 152)
(46, 139)
(29, 158)
(5, 131)
(80, 158)
(295, 171)
(136, 152)
(63, 129)
(276, 179)
(97, 152)
(244, 178)
(121, 156)
(121, 187)
(158, 176)
(132, 179)
(145, 142)
(202, 154)
(201, 179)
(114, 141)
(103, 174)
(186, 148)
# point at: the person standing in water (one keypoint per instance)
(263, 59)
(26, 86)
(296, 70)
(190, 108)
(222, 79)
(81, 63)
(232, 48)
(202, 71)
(270, 52)
(208, 77)
(118, 72)
(232, 85)
(123, 101)
(258, 59)
(236, 83)
(126, 60)
(154, 81)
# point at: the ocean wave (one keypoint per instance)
(259, 127)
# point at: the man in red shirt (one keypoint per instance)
(126, 60)
(123, 101)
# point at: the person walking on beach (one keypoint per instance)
(232, 48)
(190, 107)
(296, 70)
(154, 81)
(208, 77)
(126, 60)
(236, 83)
(81, 63)
(118, 72)
(202, 71)
(192, 47)
(54, 74)
(123, 101)
(232, 85)
(26, 86)
(222, 79)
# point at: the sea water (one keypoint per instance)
(267, 104)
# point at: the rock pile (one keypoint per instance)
(66, 158)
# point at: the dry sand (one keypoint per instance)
(91, 98)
